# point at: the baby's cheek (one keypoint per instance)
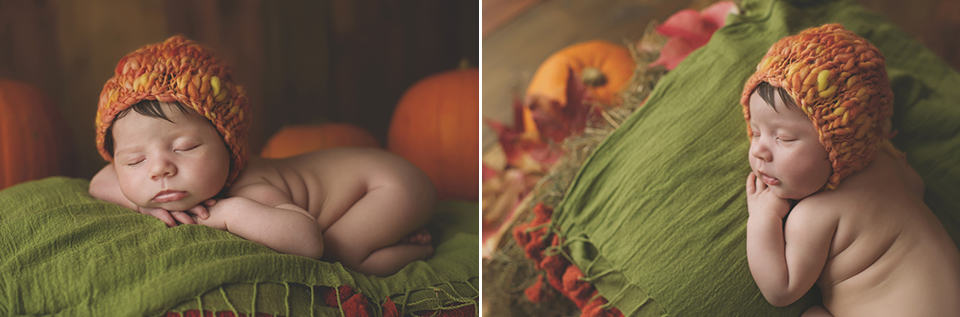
(129, 189)
(753, 163)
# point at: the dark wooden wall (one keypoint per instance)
(302, 61)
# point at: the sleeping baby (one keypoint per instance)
(172, 123)
(818, 112)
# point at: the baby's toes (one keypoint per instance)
(421, 237)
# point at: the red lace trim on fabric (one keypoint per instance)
(353, 304)
(535, 238)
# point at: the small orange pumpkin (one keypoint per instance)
(299, 139)
(603, 66)
(34, 141)
(436, 126)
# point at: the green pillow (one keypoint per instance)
(656, 217)
(64, 252)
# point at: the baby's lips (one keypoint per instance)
(169, 195)
(770, 181)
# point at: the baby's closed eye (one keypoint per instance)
(131, 160)
(187, 148)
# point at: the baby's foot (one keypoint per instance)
(420, 237)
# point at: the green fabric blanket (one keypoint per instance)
(656, 217)
(63, 252)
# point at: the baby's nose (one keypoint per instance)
(162, 169)
(761, 152)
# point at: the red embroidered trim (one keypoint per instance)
(566, 278)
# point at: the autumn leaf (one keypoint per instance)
(688, 30)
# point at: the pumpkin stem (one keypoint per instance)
(593, 77)
(464, 63)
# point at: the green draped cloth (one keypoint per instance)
(656, 217)
(63, 252)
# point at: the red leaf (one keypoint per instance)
(688, 30)
(557, 122)
(488, 173)
(673, 52)
(522, 143)
(716, 14)
(686, 24)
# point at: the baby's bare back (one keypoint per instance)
(371, 206)
(327, 183)
(890, 255)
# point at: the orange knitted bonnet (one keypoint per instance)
(838, 79)
(179, 70)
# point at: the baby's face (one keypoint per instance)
(173, 166)
(785, 151)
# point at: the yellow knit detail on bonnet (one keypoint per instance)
(838, 79)
(179, 70)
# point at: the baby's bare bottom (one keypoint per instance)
(382, 232)
(390, 259)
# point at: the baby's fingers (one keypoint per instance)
(751, 183)
(165, 217)
(758, 183)
(183, 217)
(200, 211)
(158, 213)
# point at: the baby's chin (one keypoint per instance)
(792, 194)
(180, 205)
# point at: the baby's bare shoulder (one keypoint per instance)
(815, 210)
(257, 170)
(823, 202)
(258, 177)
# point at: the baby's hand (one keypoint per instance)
(761, 200)
(171, 218)
(219, 210)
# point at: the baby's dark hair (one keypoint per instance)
(147, 107)
(766, 91)
(150, 108)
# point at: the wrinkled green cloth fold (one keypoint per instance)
(62, 252)
(656, 217)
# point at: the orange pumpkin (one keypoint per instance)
(603, 66)
(34, 141)
(300, 139)
(436, 126)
